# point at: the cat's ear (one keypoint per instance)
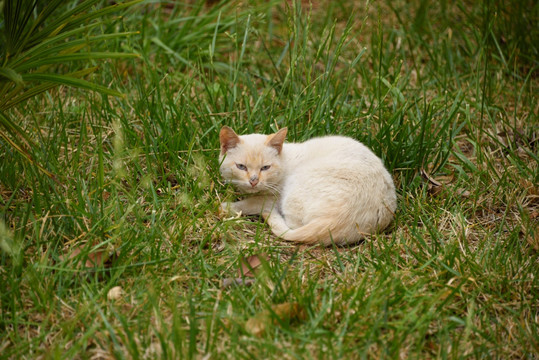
(228, 138)
(276, 140)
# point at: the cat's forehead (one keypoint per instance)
(253, 140)
(253, 149)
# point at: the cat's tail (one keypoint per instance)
(322, 231)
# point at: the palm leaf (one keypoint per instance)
(15, 98)
(10, 75)
(57, 44)
(63, 58)
(16, 144)
(71, 81)
(33, 42)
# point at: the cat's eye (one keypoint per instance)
(241, 167)
(264, 168)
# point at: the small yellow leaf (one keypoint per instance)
(115, 293)
(258, 323)
(289, 311)
(286, 312)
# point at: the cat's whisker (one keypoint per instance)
(273, 188)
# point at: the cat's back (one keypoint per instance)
(333, 150)
(340, 180)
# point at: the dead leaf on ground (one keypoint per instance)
(435, 187)
(532, 235)
(236, 281)
(429, 178)
(530, 187)
(286, 312)
(96, 259)
(533, 240)
(517, 137)
(246, 271)
(463, 193)
(249, 265)
(115, 293)
(218, 246)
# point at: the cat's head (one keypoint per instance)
(252, 163)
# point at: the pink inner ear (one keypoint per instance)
(228, 138)
(276, 140)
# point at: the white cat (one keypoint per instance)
(327, 189)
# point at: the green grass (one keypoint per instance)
(447, 89)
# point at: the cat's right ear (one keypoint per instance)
(228, 138)
(276, 140)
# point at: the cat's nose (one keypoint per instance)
(253, 180)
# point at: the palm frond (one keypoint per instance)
(36, 41)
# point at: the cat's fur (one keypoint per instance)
(327, 189)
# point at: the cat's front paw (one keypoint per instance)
(266, 213)
(227, 209)
(224, 209)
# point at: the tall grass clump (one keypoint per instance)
(126, 255)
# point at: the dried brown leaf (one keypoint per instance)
(434, 190)
(533, 240)
(463, 192)
(236, 281)
(516, 137)
(429, 178)
(97, 258)
(434, 187)
(532, 234)
(530, 187)
(249, 265)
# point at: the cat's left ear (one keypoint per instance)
(276, 140)
(228, 138)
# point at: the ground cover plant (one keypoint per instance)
(123, 253)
